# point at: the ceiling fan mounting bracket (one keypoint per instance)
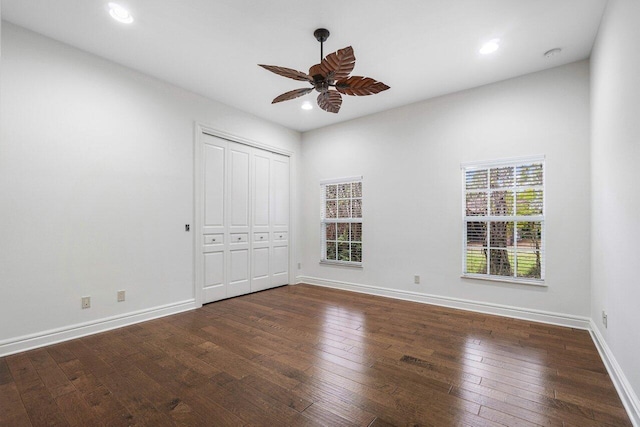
(321, 34)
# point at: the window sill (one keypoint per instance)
(342, 264)
(531, 282)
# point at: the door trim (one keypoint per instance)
(198, 197)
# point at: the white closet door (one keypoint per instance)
(243, 205)
(280, 220)
(261, 236)
(238, 204)
(214, 153)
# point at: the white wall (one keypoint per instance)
(410, 158)
(615, 192)
(96, 184)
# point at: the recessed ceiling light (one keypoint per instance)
(490, 46)
(306, 106)
(120, 14)
(553, 52)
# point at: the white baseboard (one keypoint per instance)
(625, 391)
(559, 319)
(622, 385)
(54, 336)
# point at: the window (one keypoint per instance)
(504, 220)
(341, 221)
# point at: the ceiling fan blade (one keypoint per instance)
(317, 70)
(288, 72)
(340, 62)
(292, 94)
(360, 86)
(330, 101)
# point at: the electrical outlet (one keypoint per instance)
(299, 265)
(416, 279)
(120, 296)
(604, 318)
(86, 302)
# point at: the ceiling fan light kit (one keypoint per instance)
(330, 77)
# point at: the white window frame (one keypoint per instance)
(324, 221)
(488, 218)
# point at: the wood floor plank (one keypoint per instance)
(323, 415)
(50, 373)
(5, 374)
(336, 402)
(42, 408)
(504, 419)
(37, 400)
(611, 404)
(164, 399)
(12, 410)
(311, 356)
(142, 410)
(76, 410)
(487, 400)
(553, 408)
(25, 376)
(285, 396)
(201, 404)
(267, 406)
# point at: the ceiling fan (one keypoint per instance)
(330, 77)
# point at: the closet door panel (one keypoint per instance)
(262, 182)
(261, 206)
(280, 266)
(260, 278)
(214, 169)
(280, 220)
(214, 287)
(280, 190)
(238, 202)
(238, 197)
(238, 272)
(212, 270)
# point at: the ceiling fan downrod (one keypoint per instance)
(321, 34)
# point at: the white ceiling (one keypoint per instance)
(421, 48)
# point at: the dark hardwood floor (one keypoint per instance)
(308, 356)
